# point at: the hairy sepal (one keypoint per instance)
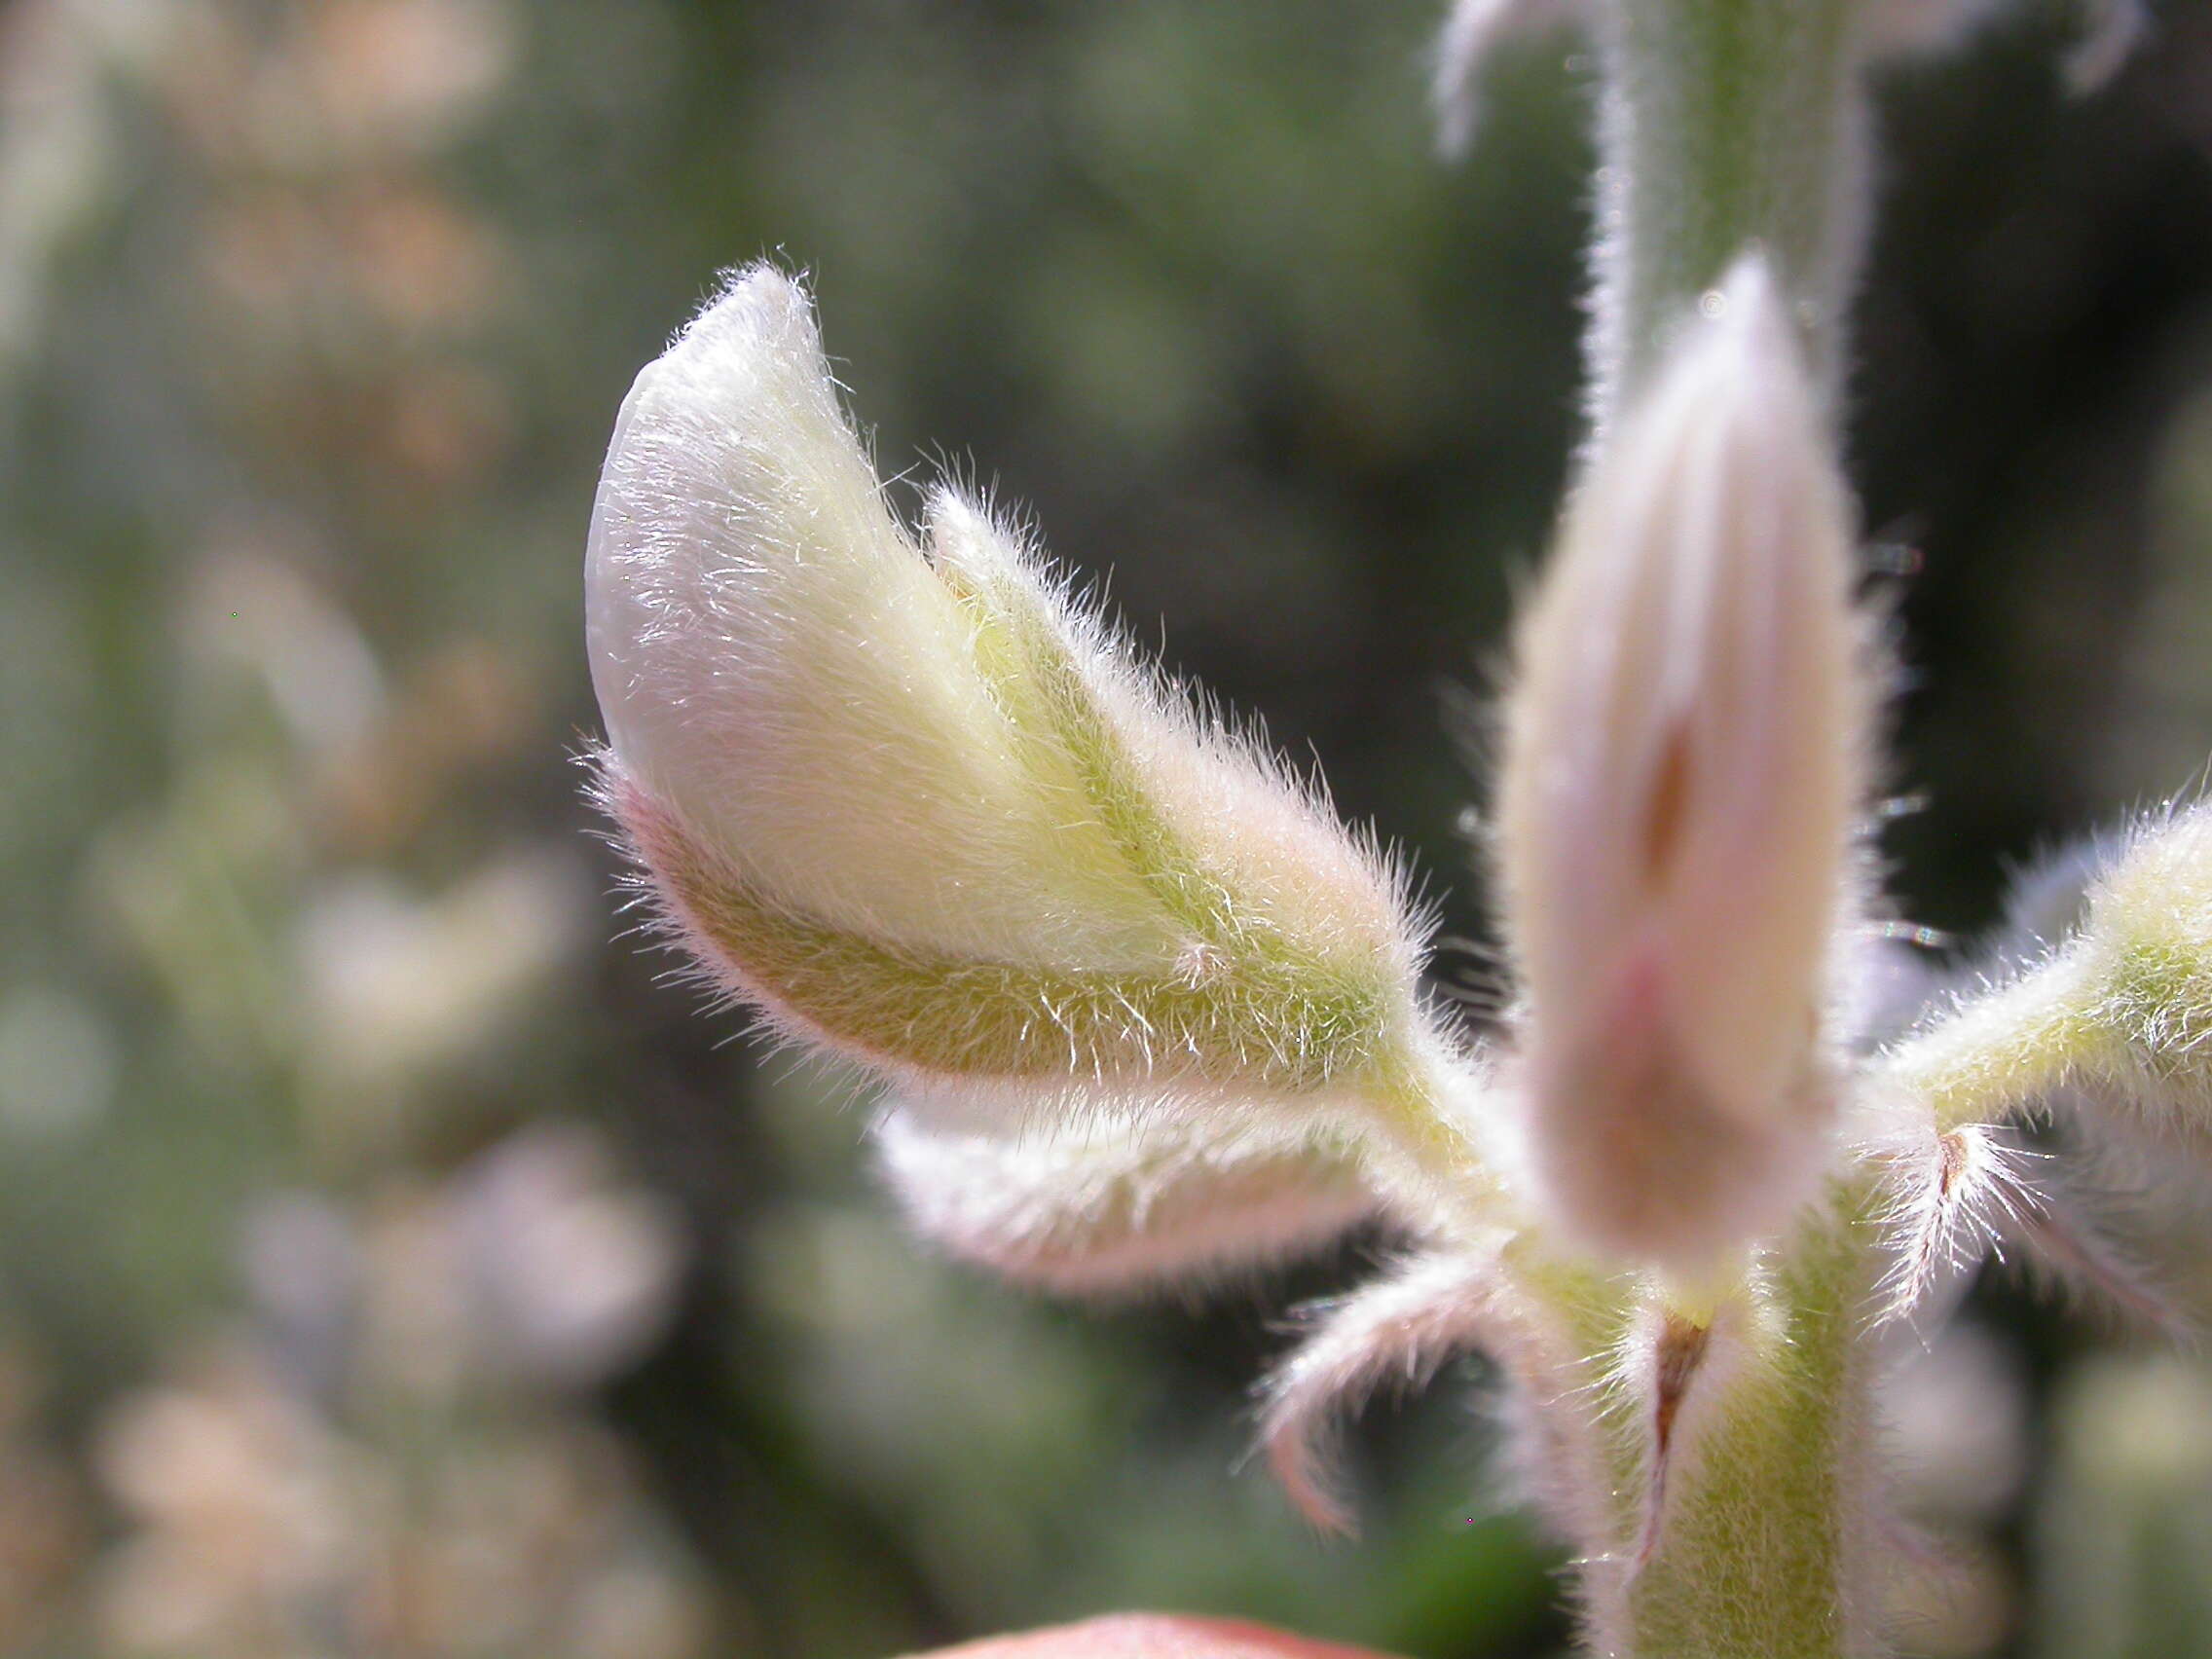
(1949, 1197)
(1673, 1367)
(1119, 1203)
(905, 1012)
(2145, 963)
(2111, 1028)
(1431, 1308)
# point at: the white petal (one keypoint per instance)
(1679, 797)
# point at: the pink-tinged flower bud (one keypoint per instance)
(1677, 808)
(912, 803)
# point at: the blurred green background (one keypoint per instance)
(390, 1266)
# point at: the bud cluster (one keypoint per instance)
(1142, 1010)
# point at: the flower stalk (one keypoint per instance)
(1724, 125)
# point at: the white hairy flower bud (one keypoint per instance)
(914, 804)
(1679, 794)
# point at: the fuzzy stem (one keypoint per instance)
(2002, 1053)
(1764, 1554)
(1759, 1548)
(1726, 124)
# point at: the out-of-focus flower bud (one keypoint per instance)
(1676, 807)
(569, 1274)
(917, 805)
(2110, 31)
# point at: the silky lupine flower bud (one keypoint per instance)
(915, 806)
(1146, 1013)
(1678, 799)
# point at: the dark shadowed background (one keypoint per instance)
(389, 1266)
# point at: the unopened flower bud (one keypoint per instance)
(1676, 807)
(913, 803)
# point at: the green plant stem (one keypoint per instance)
(1749, 1538)
(2004, 1049)
(1760, 1552)
(1726, 125)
